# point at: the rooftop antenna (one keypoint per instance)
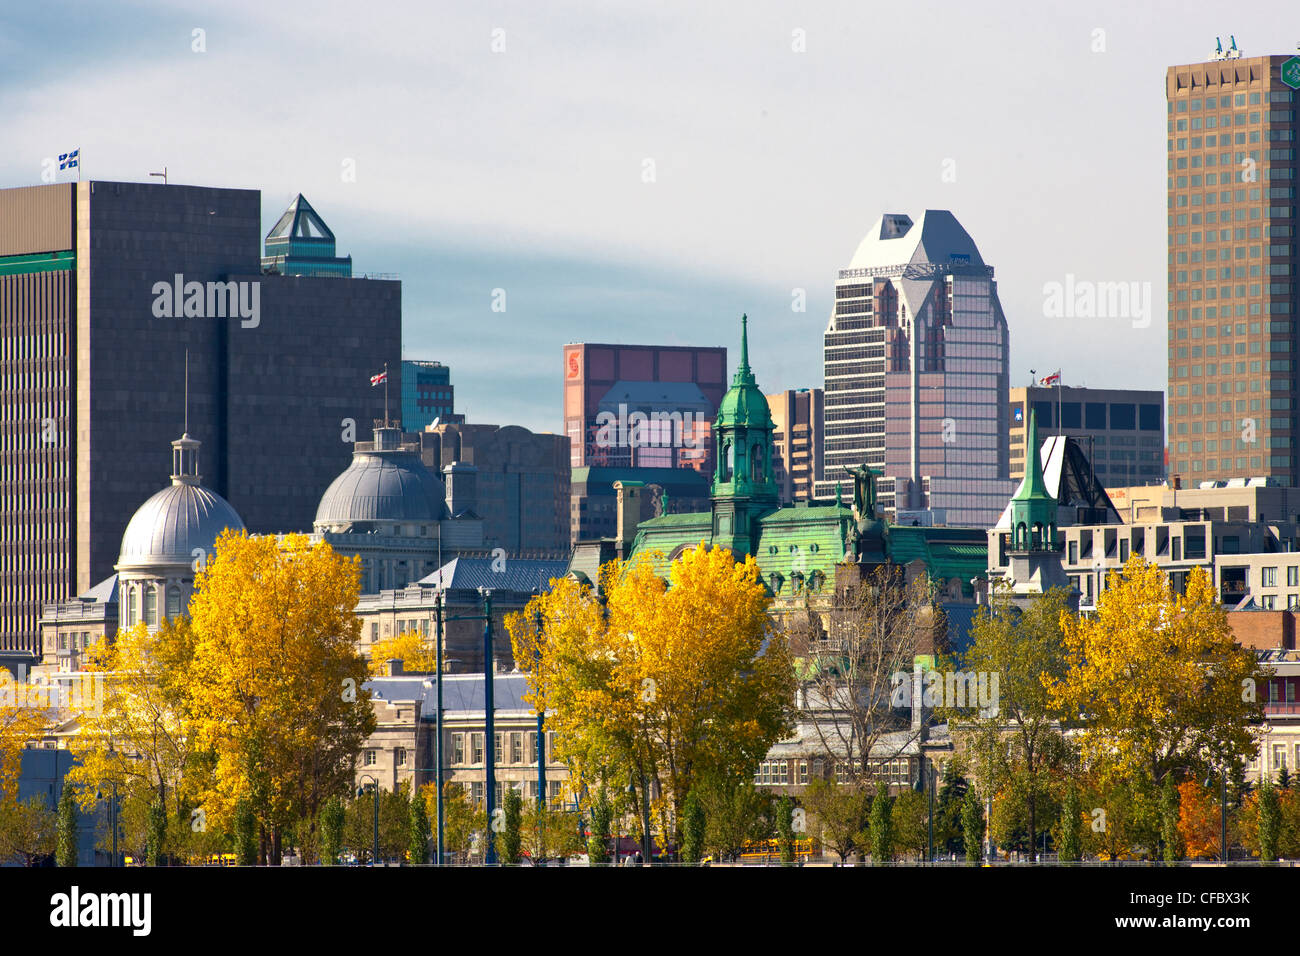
(186, 430)
(162, 175)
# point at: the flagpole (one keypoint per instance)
(385, 394)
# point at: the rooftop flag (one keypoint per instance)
(69, 160)
(1053, 379)
(379, 379)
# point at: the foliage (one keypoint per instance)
(394, 824)
(693, 828)
(274, 686)
(736, 813)
(1199, 820)
(785, 827)
(1070, 837)
(972, 826)
(910, 819)
(1018, 743)
(1269, 821)
(155, 834)
(510, 842)
(1158, 679)
(462, 821)
(947, 810)
(19, 723)
(677, 682)
(841, 812)
(416, 651)
(245, 823)
(598, 845)
(28, 831)
(332, 815)
(550, 834)
(65, 853)
(881, 827)
(1170, 838)
(417, 850)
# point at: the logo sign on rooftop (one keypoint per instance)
(1291, 72)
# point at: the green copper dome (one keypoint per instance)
(744, 404)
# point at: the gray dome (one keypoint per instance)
(383, 486)
(169, 526)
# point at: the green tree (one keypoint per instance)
(332, 814)
(693, 828)
(882, 826)
(910, 819)
(245, 834)
(1169, 836)
(736, 813)
(1284, 778)
(947, 810)
(1017, 741)
(510, 841)
(156, 834)
(65, 853)
(972, 825)
(1269, 821)
(418, 851)
(28, 831)
(1071, 827)
(785, 828)
(598, 844)
(841, 811)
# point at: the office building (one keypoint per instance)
(642, 406)
(520, 479)
(427, 395)
(1231, 128)
(104, 289)
(798, 415)
(1122, 430)
(916, 374)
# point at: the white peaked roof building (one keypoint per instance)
(916, 374)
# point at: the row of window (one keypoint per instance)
(511, 748)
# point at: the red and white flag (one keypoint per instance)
(379, 379)
(1053, 379)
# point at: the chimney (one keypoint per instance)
(462, 487)
(394, 667)
(628, 515)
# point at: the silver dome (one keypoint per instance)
(384, 485)
(169, 526)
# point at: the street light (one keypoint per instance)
(112, 818)
(374, 787)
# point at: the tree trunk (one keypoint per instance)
(275, 846)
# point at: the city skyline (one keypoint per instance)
(580, 241)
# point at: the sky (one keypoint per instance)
(645, 173)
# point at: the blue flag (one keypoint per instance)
(69, 160)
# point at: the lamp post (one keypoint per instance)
(374, 789)
(112, 818)
(541, 738)
(437, 775)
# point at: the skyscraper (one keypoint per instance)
(797, 441)
(427, 395)
(1232, 262)
(916, 374)
(104, 289)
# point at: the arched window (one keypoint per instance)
(174, 602)
(150, 605)
(728, 460)
(756, 463)
(130, 606)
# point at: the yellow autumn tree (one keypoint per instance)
(1157, 679)
(136, 738)
(20, 722)
(414, 650)
(670, 684)
(274, 687)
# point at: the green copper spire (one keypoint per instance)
(1033, 486)
(743, 376)
(1033, 507)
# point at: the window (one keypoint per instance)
(1270, 578)
(476, 748)
(399, 757)
(516, 748)
(370, 758)
(457, 749)
(173, 602)
(1292, 576)
(150, 605)
(476, 793)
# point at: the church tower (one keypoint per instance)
(744, 482)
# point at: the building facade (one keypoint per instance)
(104, 289)
(916, 374)
(1231, 129)
(1123, 430)
(427, 395)
(799, 417)
(518, 480)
